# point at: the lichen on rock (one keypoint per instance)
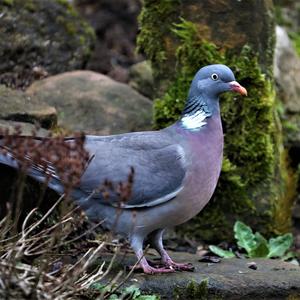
(38, 38)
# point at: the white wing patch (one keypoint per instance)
(157, 201)
(194, 121)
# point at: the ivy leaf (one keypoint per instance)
(262, 248)
(279, 246)
(245, 237)
(220, 252)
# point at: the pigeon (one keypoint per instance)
(174, 171)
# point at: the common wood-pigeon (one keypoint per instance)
(176, 170)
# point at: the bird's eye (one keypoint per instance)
(214, 76)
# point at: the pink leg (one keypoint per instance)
(156, 240)
(137, 245)
(147, 269)
(167, 261)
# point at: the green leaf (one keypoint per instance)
(245, 237)
(133, 291)
(98, 286)
(147, 297)
(262, 248)
(280, 245)
(220, 252)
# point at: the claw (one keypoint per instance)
(147, 269)
(151, 270)
(180, 266)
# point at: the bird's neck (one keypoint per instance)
(197, 111)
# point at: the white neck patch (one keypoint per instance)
(194, 121)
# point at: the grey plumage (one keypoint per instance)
(175, 169)
(142, 151)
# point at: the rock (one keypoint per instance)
(17, 106)
(181, 37)
(116, 26)
(38, 38)
(287, 71)
(26, 128)
(227, 24)
(288, 15)
(287, 76)
(230, 279)
(94, 103)
(141, 78)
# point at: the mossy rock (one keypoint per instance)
(39, 38)
(256, 185)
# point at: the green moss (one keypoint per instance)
(295, 36)
(68, 25)
(30, 5)
(286, 191)
(8, 2)
(33, 22)
(191, 53)
(192, 291)
(64, 3)
(156, 19)
(69, 7)
(71, 27)
(254, 175)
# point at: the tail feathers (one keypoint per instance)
(35, 172)
(47, 158)
(7, 159)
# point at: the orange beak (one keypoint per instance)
(236, 87)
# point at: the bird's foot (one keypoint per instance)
(179, 266)
(151, 270)
(147, 269)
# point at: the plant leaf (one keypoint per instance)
(220, 252)
(245, 237)
(262, 248)
(278, 246)
(147, 297)
(133, 291)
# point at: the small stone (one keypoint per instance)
(252, 265)
(210, 259)
(294, 262)
(239, 255)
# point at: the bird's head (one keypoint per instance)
(202, 102)
(212, 80)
